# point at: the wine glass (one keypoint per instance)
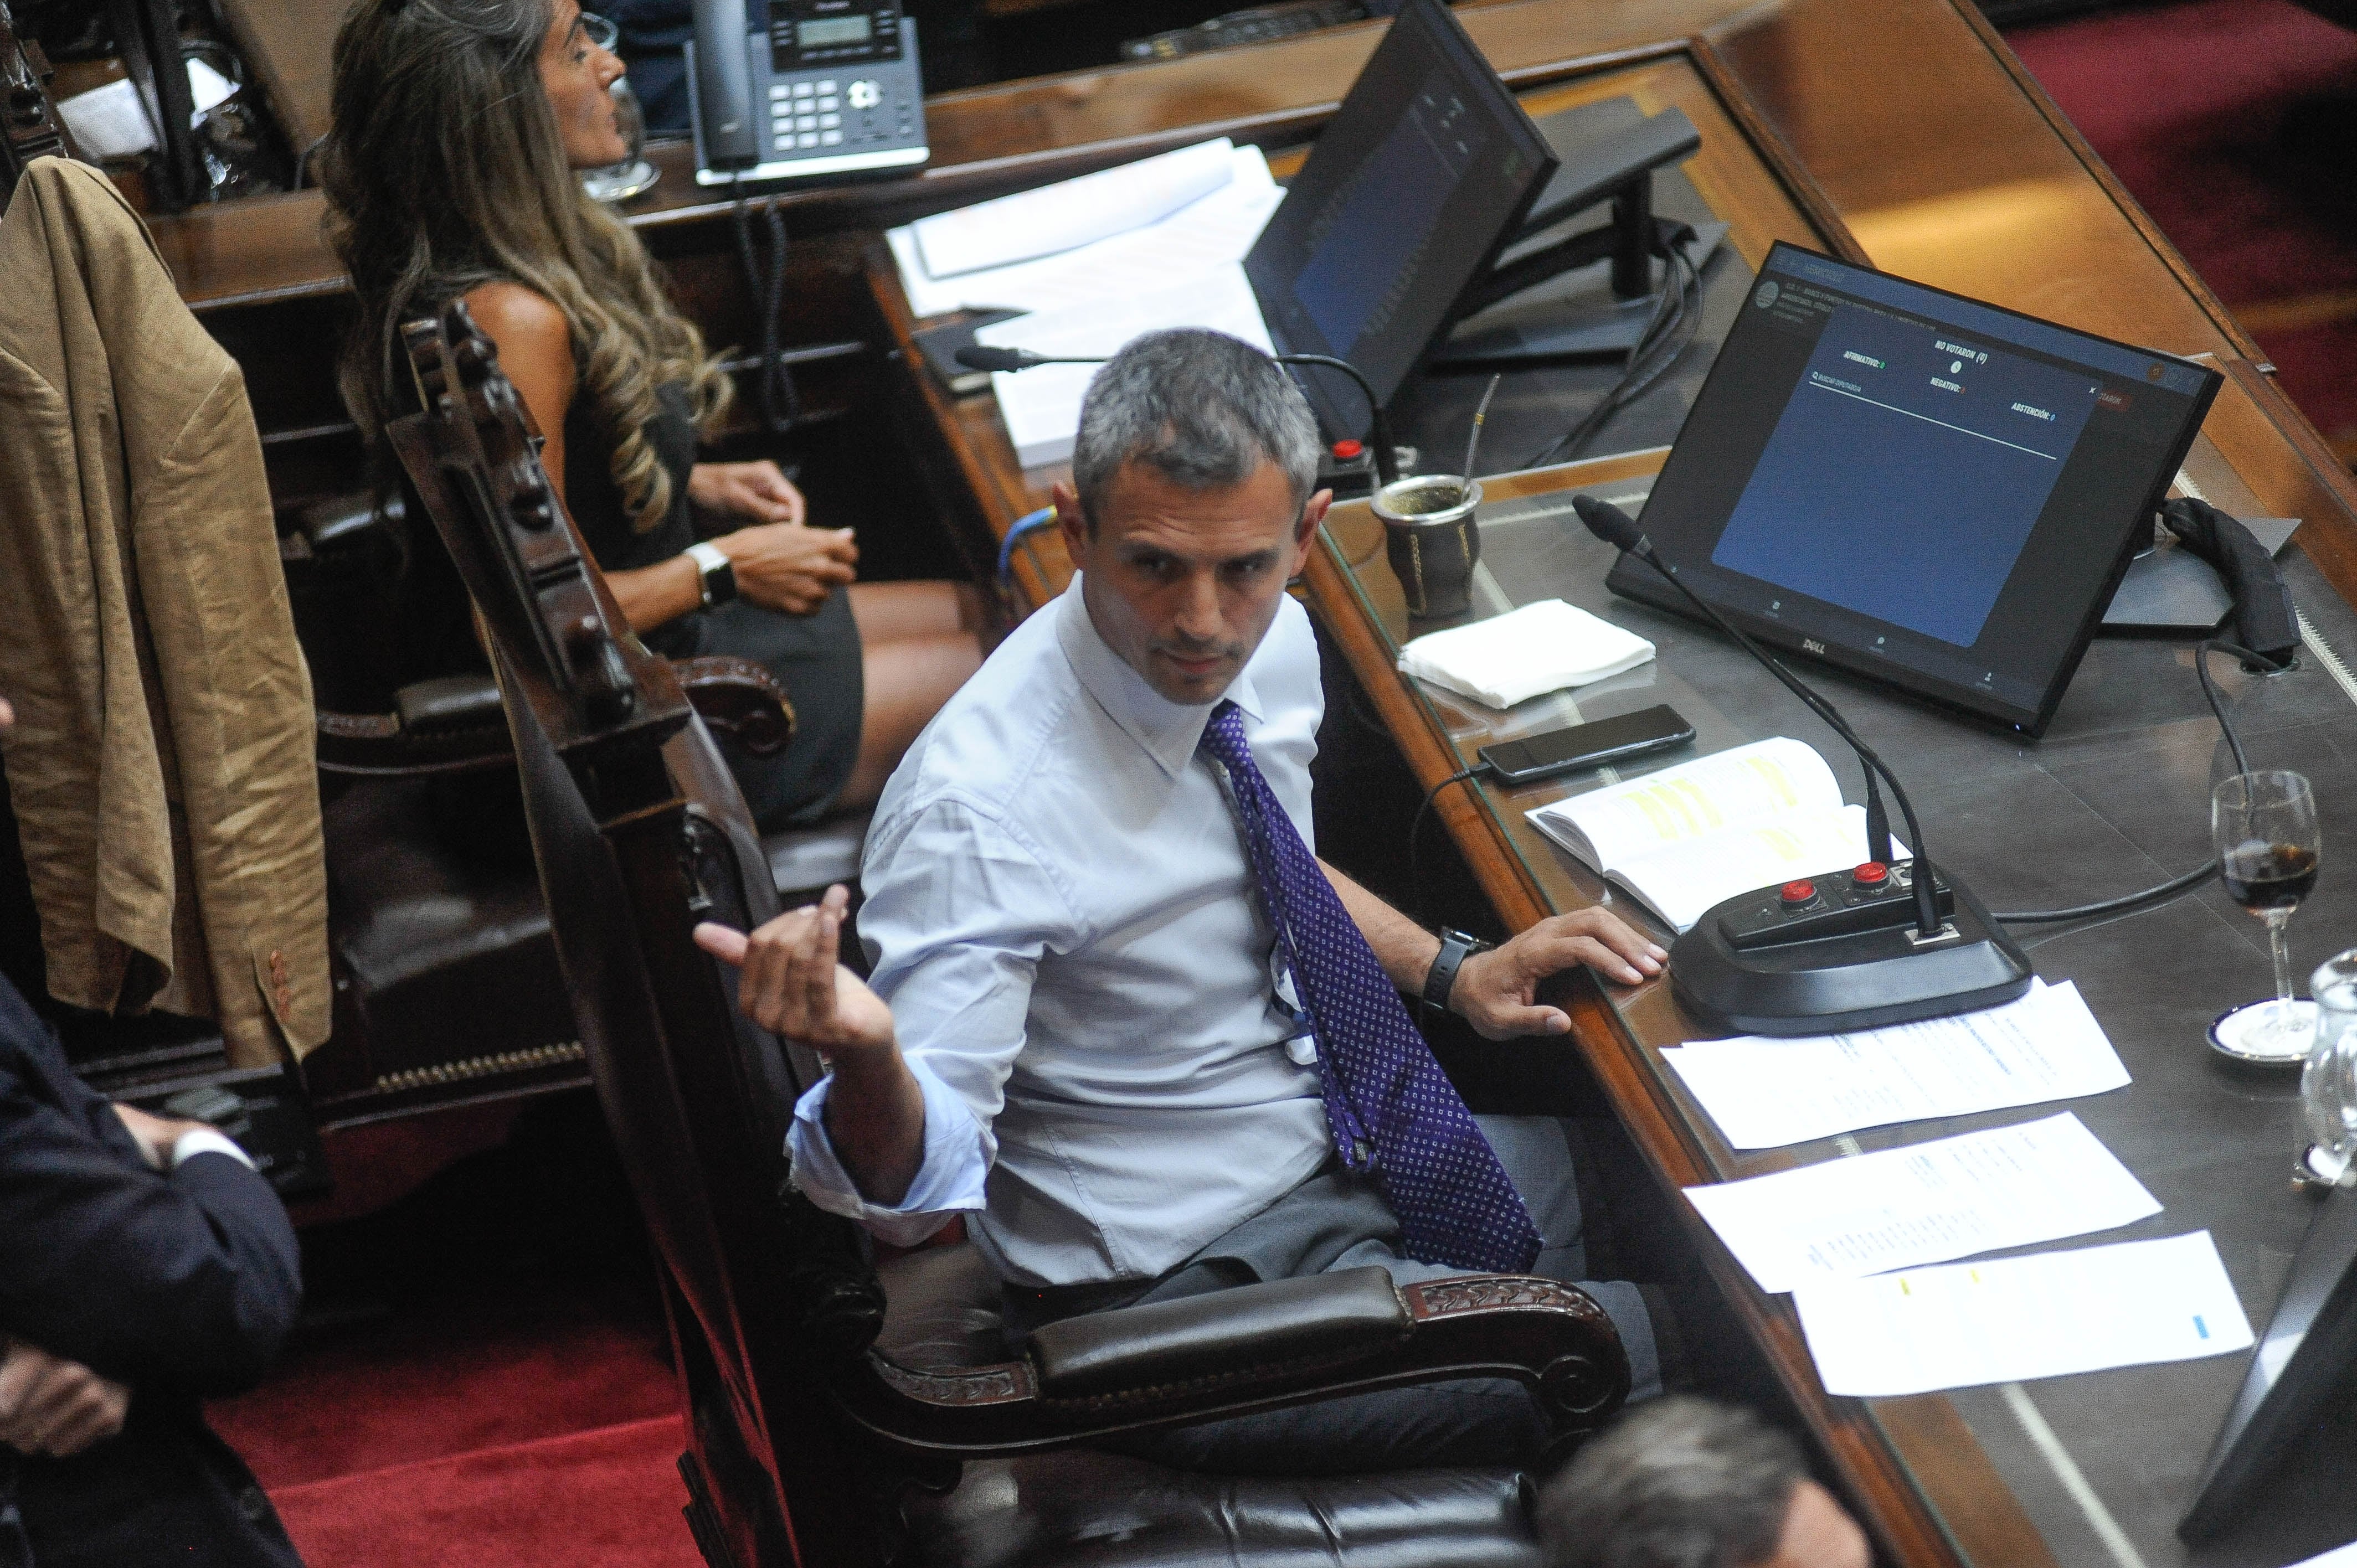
(2265, 828)
(2328, 1084)
(634, 175)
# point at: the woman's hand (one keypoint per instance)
(785, 566)
(757, 491)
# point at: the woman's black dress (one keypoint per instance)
(816, 655)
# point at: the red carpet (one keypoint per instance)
(606, 1499)
(515, 1425)
(2234, 123)
(483, 1378)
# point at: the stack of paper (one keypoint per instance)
(1926, 1204)
(1216, 227)
(1042, 407)
(1766, 1093)
(1076, 212)
(2039, 1316)
(1509, 658)
(1096, 261)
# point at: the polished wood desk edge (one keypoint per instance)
(1782, 159)
(2044, 102)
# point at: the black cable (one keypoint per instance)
(781, 399)
(1416, 830)
(1669, 331)
(2199, 874)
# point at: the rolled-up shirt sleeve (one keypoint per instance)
(949, 1182)
(959, 909)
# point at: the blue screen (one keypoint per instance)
(1906, 473)
(1370, 238)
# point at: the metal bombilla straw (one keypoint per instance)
(1474, 438)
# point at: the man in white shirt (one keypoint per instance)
(1084, 1033)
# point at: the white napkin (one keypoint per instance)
(1509, 658)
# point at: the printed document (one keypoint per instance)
(1210, 231)
(1042, 406)
(1682, 839)
(2013, 1318)
(1071, 213)
(1766, 1092)
(1897, 1208)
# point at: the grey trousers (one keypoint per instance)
(1336, 1221)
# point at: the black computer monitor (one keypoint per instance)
(1413, 185)
(2297, 1366)
(1937, 493)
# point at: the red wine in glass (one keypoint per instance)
(2263, 828)
(2261, 876)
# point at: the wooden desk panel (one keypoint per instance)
(1951, 167)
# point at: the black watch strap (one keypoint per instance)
(1456, 947)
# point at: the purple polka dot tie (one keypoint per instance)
(1391, 1109)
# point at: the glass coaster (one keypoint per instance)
(2247, 1033)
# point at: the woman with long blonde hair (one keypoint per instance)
(450, 171)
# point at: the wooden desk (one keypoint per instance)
(1904, 135)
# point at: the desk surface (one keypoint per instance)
(1902, 134)
(2114, 799)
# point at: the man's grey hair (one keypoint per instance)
(1202, 409)
(1679, 1483)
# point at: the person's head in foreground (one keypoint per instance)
(1685, 1483)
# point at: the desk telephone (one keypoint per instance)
(794, 88)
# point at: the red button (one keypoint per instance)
(1872, 873)
(1346, 450)
(1799, 892)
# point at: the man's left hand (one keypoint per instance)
(50, 1405)
(759, 492)
(1495, 990)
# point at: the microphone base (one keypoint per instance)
(1734, 972)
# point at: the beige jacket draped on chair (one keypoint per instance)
(162, 764)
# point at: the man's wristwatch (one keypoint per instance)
(717, 575)
(1456, 947)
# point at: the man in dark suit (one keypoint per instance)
(143, 1266)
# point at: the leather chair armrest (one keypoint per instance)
(452, 725)
(1327, 1318)
(738, 698)
(456, 724)
(1253, 1347)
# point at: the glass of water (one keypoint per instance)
(2328, 1084)
(634, 173)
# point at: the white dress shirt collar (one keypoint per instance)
(1166, 731)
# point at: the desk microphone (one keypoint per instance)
(977, 357)
(1769, 961)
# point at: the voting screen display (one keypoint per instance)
(1934, 491)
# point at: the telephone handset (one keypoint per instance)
(792, 89)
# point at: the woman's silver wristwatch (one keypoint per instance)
(716, 573)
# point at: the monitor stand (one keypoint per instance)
(2171, 592)
(1605, 279)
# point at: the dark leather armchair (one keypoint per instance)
(842, 1413)
(448, 986)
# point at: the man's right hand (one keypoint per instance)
(794, 984)
(49, 1405)
(788, 567)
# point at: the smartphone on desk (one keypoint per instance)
(1590, 745)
